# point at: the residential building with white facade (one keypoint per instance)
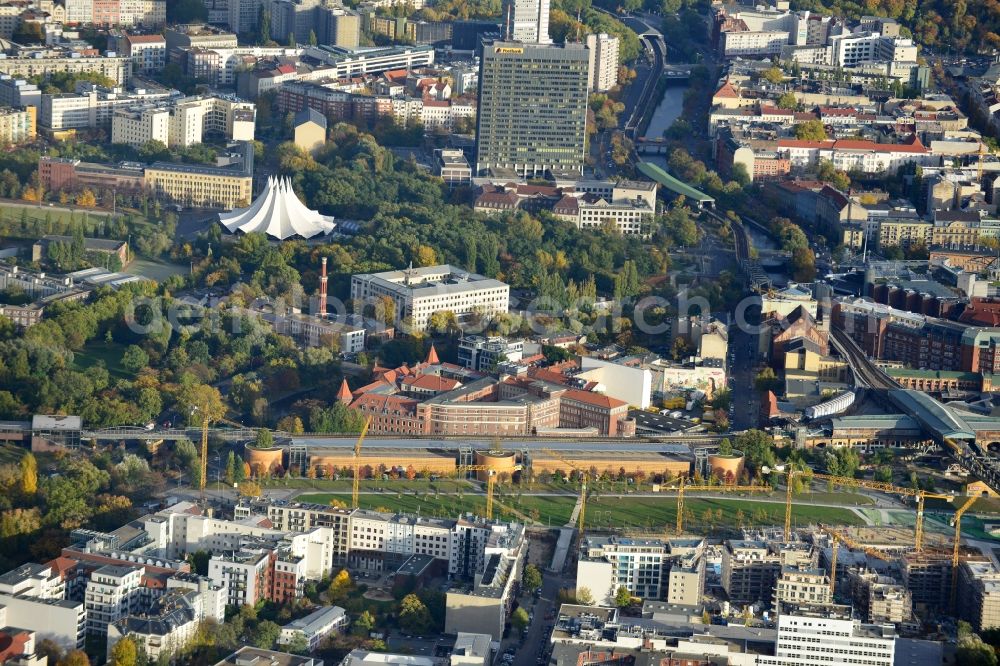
(603, 51)
(803, 586)
(112, 593)
(420, 292)
(91, 106)
(147, 52)
(38, 581)
(164, 629)
(246, 574)
(826, 634)
(608, 563)
(44, 61)
(315, 627)
(184, 122)
(60, 620)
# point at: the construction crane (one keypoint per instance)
(921, 495)
(839, 537)
(356, 480)
(956, 547)
(682, 488)
(583, 474)
(204, 444)
(490, 483)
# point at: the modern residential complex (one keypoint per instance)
(184, 122)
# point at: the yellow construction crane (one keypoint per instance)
(839, 537)
(583, 474)
(956, 547)
(888, 488)
(490, 483)
(204, 445)
(356, 480)
(682, 488)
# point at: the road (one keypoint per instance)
(536, 644)
(744, 411)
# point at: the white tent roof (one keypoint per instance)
(278, 213)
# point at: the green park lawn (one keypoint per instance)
(108, 352)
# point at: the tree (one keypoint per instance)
(766, 380)
(230, 469)
(414, 618)
(725, 447)
(264, 440)
(340, 586)
(773, 75)
(803, 264)
(971, 649)
(134, 358)
(810, 130)
(250, 489)
(364, 624)
(788, 101)
(312, 38)
(29, 474)
(758, 447)
(86, 199)
(124, 653)
(623, 598)
(519, 619)
(532, 578)
(265, 634)
(584, 596)
(200, 401)
(75, 658)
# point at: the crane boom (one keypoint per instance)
(490, 483)
(683, 487)
(956, 547)
(888, 488)
(356, 481)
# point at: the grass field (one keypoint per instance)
(56, 213)
(636, 513)
(110, 353)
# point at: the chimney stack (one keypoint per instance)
(322, 290)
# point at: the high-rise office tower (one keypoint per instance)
(532, 108)
(526, 21)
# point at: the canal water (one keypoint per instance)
(667, 111)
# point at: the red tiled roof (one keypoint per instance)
(344, 394)
(727, 91)
(497, 200)
(374, 402)
(432, 356)
(595, 399)
(775, 111)
(548, 375)
(145, 39)
(432, 383)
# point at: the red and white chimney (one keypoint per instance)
(322, 290)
